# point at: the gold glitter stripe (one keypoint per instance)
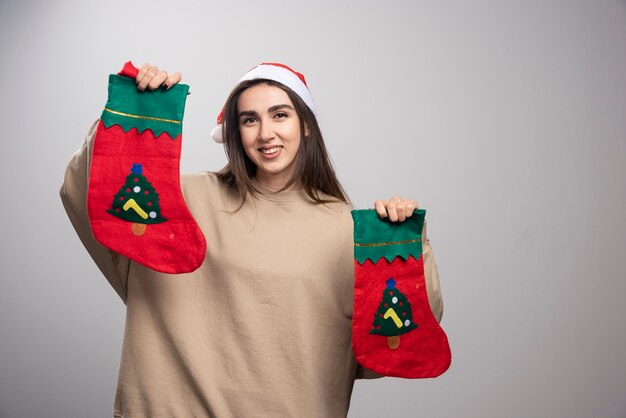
(142, 117)
(384, 244)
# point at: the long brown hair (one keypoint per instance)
(313, 168)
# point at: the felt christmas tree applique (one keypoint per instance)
(394, 316)
(137, 202)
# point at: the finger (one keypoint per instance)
(401, 210)
(174, 78)
(151, 72)
(158, 79)
(142, 72)
(410, 208)
(391, 210)
(380, 208)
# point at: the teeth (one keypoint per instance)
(270, 150)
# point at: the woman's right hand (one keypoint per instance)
(149, 76)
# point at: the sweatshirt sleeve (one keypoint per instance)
(74, 197)
(431, 276)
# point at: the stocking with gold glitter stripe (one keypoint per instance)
(134, 200)
(394, 332)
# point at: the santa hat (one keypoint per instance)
(276, 72)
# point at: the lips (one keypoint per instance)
(270, 152)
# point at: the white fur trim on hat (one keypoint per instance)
(217, 134)
(275, 72)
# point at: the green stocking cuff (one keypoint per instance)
(159, 110)
(375, 238)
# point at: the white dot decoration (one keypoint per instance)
(152, 214)
(137, 189)
(407, 323)
(394, 300)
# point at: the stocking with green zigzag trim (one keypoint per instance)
(394, 332)
(134, 199)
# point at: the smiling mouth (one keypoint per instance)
(270, 151)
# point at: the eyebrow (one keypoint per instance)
(270, 110)
(247, 113)
(280, 106)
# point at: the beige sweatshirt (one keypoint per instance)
(261, 329)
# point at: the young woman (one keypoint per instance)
(263, 327)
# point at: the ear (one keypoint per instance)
(306, 130)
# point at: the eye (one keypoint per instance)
(248, 120)
(280, 115)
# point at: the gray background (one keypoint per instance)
(505, 120)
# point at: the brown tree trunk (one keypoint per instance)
(138, 229)
(393, 341)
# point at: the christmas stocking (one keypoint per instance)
(394, 332)
(134, 200)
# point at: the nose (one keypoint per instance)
(265, 131)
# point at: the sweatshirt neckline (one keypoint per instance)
(284, 196)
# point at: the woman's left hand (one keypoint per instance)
(397, 209)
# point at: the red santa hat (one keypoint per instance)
(276, 72)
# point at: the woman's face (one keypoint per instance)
(270, 133)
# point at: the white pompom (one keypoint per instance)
(216, 134)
